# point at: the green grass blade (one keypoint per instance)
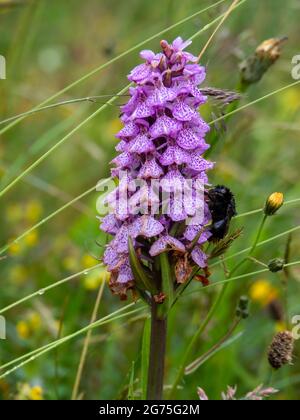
(112, 61)
(130, 396)
(195, 366)
(83, 123)
(60, 143)
(40, 352)
(145, 357)
(41, 292)
(51, 216)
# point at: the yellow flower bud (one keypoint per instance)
(274, 203)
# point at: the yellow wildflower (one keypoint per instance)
(113, 127)
(36, 394)
(280, 326)
(34, 321)
(18, 274)
(95, 278)
(33, 211)
(263, 292)
(32, 238)
(15, 249)
(14, 213)
(70, 263)
(290, 100)
(23, 330)
(88, 261)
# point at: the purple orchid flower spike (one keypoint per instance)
(163, 140)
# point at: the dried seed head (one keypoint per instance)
(266, 54)
(274, 203)
(276, 265)
(281, 350)
(270, 49)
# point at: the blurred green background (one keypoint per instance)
(49, 44)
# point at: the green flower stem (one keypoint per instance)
(157, 355)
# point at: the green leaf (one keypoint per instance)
(145, 357)
(131, 383)
(167, 280)
(199, 362)
(144, 282)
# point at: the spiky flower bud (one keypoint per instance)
(255, 66)
(276, 265)
(274, 203)
(281, 350)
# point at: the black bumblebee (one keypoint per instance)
(221, 203)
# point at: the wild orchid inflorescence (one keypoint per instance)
(163, 140)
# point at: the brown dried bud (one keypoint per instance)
(281, 350)
(119, 288)
(167, 79)
(183, 270)
(266, 54)
(270, 49)
(160, 298)
(274, 203)
(167, 50)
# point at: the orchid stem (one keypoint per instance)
(157, 355)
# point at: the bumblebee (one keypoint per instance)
(222, 205)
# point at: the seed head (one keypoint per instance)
(281, 350)
(274, 203)
(255, 66)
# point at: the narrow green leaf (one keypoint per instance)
(199, 362)
(145, 357)
(130, 396)
(167, 280)
(142, 279)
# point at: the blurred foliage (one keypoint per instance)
(47, 45)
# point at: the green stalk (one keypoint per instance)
(157, 355)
